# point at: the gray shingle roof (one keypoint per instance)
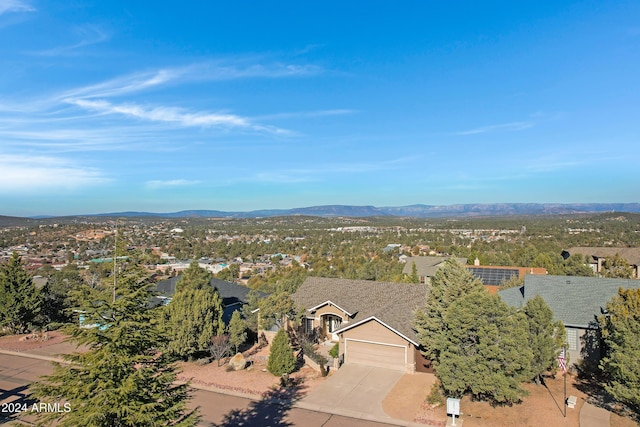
(631, 255)
(427, 265)
(574, 300)
(391, 303)
(231, 293)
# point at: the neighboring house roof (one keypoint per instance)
(231, 293)
(427, 265)
(631, 255)
(575, 300)
(390, 303)
(494, 275)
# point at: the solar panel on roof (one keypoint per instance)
(493, 276)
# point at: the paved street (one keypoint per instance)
(217, 409)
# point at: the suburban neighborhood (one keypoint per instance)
(350, 335)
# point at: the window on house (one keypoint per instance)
(572, 338)
(308, 325)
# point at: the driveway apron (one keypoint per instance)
(354, 390)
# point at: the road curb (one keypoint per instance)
(32, 356)
(253, 397)
(357, 415)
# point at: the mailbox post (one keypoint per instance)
(453, 408)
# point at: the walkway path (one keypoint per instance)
(592, 416)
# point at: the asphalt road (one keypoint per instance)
(219, 410)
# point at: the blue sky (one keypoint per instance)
(160, 106)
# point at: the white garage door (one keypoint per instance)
(375, 354)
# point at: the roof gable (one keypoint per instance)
(391, 303)
(375, 319)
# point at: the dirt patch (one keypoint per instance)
(543, 407)
(407, 396)
(55, 342)
(255, 380)
(618, 421)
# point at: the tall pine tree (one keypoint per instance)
(122, 380)
(451, 282)
(621, 334)
(194, 314)
(20, 301)
(237, 330)
(546, 337)
(485, 350)
(192, 317)
(194, 277)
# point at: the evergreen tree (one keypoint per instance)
(281, 358)
(57, 296)
(575, 265)
(546, 337)
(621, 332)
(192, 317)
(275, 308)
(484, 349)
(20, 301)
(237, 330)
(451, 282)
(122, 380)
(616, 267)
(249, 310)
(414, 278)
(194, 277)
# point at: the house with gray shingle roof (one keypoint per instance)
(596, 256)
(576, 301)
(233, 295)
(371, 321)
(426, 266)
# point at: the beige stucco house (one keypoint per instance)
(371, 321)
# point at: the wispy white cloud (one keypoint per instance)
(7, 6)
(505, 127)
(174, 115)
(38, 174)
(220, 70)
(157, 184)
(89, 118)
(125, 85)
(308, 114)
(88, 34)
(206, 71)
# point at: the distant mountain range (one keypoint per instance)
(416, 211)
(412, 211)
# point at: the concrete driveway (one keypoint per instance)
(354, 390)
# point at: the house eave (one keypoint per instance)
(312, 309)
(346, 328)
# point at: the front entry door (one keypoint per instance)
(333, 324)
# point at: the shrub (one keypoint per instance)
(281, 358)
(436, 398)
(335, 351)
